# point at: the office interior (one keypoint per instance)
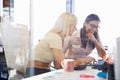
(36, 17)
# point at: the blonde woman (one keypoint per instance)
(49, 49)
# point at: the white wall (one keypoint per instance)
(22, 11)
(108, 12)
(45, 13)
(1, 7)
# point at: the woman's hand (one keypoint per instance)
(89, 59)
(84, 60)
(89, 32)
(91, 36)
(110, 59)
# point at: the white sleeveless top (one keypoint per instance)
(75, 49)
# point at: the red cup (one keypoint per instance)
(68, 65)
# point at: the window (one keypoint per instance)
(45, 14)
(108, 13)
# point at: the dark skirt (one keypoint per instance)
(32, 71)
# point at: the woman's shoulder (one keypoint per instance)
(51, 34)
(74, 40)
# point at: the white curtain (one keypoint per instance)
(15, 38)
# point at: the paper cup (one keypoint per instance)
(68, 65)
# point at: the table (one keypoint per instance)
(86, 74)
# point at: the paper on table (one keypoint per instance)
(87, 76)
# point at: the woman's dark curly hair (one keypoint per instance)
(83, 36)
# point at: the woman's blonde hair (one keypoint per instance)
(63, 23)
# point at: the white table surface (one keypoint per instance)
(62, 75)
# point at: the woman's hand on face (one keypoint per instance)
(90, 36)
(89, 31)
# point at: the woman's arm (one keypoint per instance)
(87, 59)
(58, 57)
(100, 49)
(98, 45)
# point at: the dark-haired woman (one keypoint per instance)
(83, 41)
